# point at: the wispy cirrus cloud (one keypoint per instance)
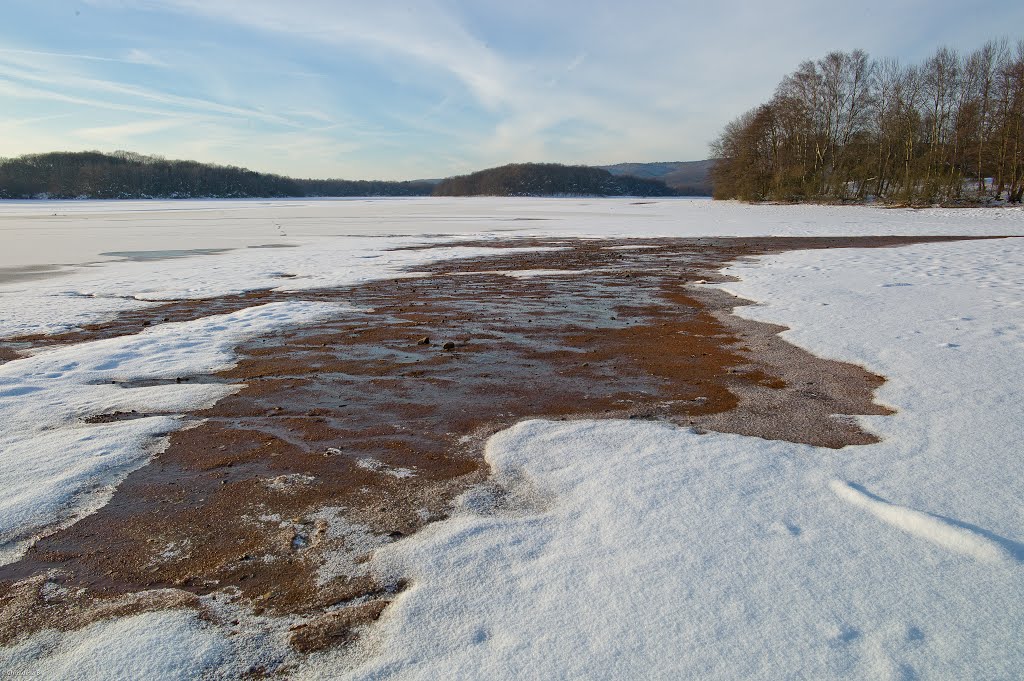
(54, 83)
(347, 88)
(131, 56)
(123, 131)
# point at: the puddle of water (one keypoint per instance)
(166, 254)
(10, 275)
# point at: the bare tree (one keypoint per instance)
(845, 128)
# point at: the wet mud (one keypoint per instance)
(358, 431)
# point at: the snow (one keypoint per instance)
(341, 242)
(381, 467)
(600, 549)
(55, 467)
(52, 231)
(967, 540)
(94, 293)
(156, 645)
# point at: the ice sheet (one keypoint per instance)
(340, 242)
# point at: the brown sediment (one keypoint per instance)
(354, 432)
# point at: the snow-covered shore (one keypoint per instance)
(646, 551)
(635, 549)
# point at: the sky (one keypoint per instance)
(432, 88)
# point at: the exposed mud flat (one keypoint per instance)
(358, 431)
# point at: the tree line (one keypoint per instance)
(850, 128)
(549, 179)
(126, 175)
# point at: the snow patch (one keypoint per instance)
(380, 467)
(55, 467)
(169, 645)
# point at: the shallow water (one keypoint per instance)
(9, 275)
(166, 254)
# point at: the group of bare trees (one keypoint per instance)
(848, 128)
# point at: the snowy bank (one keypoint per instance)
(641, 550)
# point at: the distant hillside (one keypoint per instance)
(549, 179)
(124, 175)
(689, 178)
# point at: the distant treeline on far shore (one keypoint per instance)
(849, 128)
(126, 175)
(550, 179)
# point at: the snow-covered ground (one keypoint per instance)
(66, 263)
(646, 551)
(75, 232)
(630, 549)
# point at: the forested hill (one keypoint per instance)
(549, 179)
(124, 175)
(689, 178)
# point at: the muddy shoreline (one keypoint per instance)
(358, 431)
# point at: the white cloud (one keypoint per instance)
(137, 56)
(453, 83)
(118, 133)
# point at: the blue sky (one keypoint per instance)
(402, 90)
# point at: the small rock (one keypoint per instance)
(423, 341)
(449, 345)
